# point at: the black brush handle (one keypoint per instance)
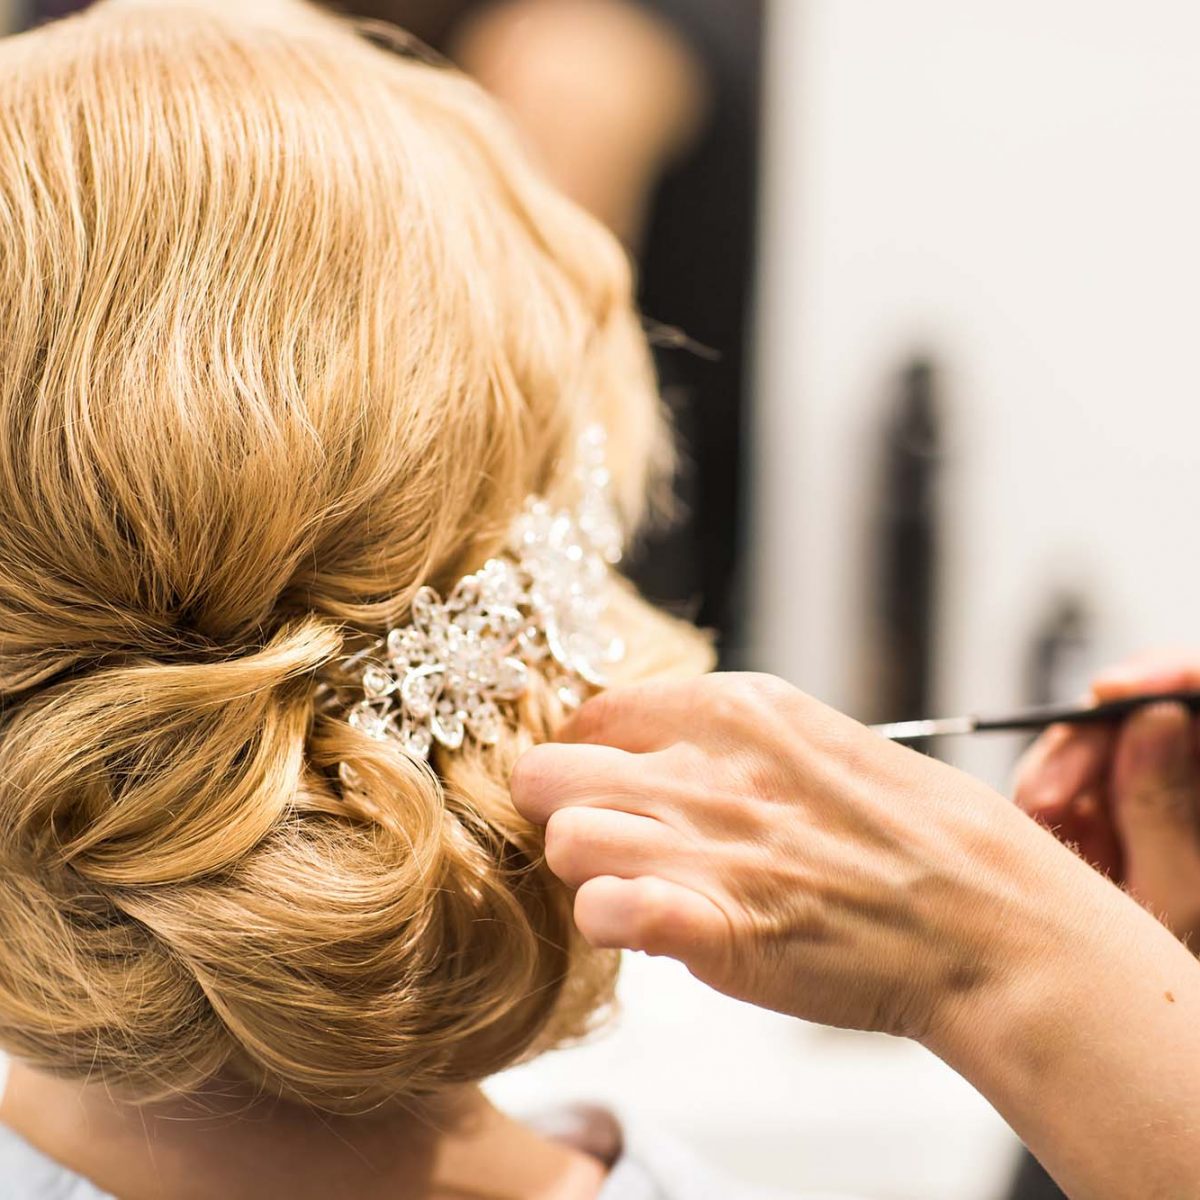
(1084, 714)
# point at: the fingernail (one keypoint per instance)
(1165, 715)
(1159, 737)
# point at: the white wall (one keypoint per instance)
(1013, 183)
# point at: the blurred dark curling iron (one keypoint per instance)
(1034, 718)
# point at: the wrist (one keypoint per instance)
(1087, 1045)
(1053, 986)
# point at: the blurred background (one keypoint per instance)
(924, 282)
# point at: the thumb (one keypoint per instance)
(1156, 805)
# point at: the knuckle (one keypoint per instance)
(759, 686)
(779, 705)
(771, 688)
(591, 717)
(734, 696)
(1022, 791)
(534, 779)
(1032, 790)
(604, 715)
(648, 919)
(563, 841)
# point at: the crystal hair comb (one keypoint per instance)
(453, 673)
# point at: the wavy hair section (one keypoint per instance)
(291, 329)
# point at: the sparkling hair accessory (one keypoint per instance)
(454, 671)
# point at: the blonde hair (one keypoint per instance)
(290, 329)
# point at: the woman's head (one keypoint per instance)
(290, 329)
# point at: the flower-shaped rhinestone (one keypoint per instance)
(453, 671)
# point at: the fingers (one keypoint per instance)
(553, 776)
(635, 719)
(598, 750)
(582, 843)
(1156, 806)
(1062, 783)
(1064, 764)
(654, 716)
(1153, 671)
(1088, 826)
(653, 915)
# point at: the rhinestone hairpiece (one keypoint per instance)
(453, 673)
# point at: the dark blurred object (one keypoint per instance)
(693, 232)
(1032, 1182)
(1059, 665)
(433, 21)
(50, 10)
(696, 273)
(429, 20)
(906, 540)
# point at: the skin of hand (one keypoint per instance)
(1128, 797)
(790, 857)
(767, 840)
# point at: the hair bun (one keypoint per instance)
(302, 337)
(200, 895)
(155, 773)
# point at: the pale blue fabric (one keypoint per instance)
(650, 1167)
(27, 1174)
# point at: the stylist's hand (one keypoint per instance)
(791, 857)
(1129, 797)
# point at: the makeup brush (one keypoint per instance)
(1034, 718)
